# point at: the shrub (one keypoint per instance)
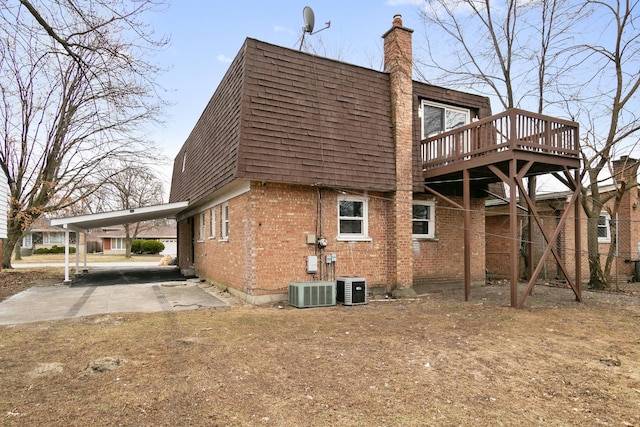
(136, 246)
(54, 250)
(151, 246)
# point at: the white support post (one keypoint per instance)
(66, 254)
(84, 233)
(77, 253)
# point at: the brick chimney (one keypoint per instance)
(398, 63)
(626, 168)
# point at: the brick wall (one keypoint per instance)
(498, 238)
(267, 247)
(283, 216)
(226, 261)
(440, 260)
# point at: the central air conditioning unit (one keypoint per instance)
(312, 294)
(351, 290)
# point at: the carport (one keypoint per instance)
(84, 223)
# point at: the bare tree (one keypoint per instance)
(76, 92)
(133, 186)
(511, 50)
(610, 95)
(525, 52)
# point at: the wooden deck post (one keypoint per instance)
(466, 195)
(513, 227)
(578, 237)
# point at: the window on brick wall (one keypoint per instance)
(212, 223)
(353, 218)
(438, 118)
(201, 227)
(424, 223)
(224, 222)
(604, 227)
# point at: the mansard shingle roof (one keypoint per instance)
(289, 116)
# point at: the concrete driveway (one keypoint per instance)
(104, 290)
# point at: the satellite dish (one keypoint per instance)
(309, 22)
(309, 19)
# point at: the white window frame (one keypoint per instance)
(446, 108)
(117, 244)
(27, 241)
(53, 238)
(606, 226)
(364, 235)
(212, 223)
(201, 224)
(431, 221)
(224, 222)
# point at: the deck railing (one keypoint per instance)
(511, 130)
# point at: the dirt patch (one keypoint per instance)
(14, 281)
(433, 360)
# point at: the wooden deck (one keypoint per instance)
(507, 148)
(551, 144)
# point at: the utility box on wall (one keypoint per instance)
(351, 290)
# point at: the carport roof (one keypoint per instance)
(126, 216)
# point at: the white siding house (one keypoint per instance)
(4, 203)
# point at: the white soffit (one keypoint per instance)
(126, 216)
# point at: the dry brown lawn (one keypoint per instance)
(59, 258)
(435, 360)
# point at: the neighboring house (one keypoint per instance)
(303, 168)
(42, 234)
(113, 240)
(551, 207)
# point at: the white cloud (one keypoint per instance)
(224, 59)
(281, 29)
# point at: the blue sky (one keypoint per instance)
(206, 36)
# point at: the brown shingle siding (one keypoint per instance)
(288, 116)
(212, 147)
(320, 124)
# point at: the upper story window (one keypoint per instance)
(424, 223)
(438, 118)
(604, 227)
(352, 218)
(184, 161)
